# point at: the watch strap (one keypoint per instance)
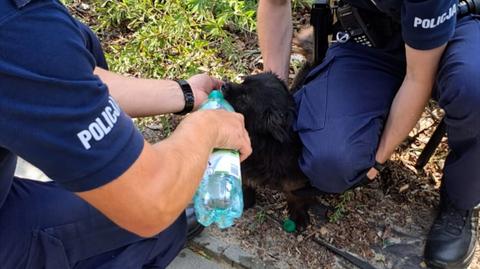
(188, 96)
(379, 166)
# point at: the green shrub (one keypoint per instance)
(166, 39)
(175, 38)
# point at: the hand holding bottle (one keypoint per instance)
(219, 198)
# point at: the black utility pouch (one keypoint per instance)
(368, 28)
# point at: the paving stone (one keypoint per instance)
(227, 252)
(239, 256)
(187, 259)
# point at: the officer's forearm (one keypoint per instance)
(275, 35)
(410, 100)
(143, 97)
(155, 190)
(405, 111)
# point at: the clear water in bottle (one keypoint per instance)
(219, 198)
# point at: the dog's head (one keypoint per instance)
(266, 104)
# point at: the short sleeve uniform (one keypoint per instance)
(54, 112)
(426, 24)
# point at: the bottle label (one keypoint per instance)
(223, 160)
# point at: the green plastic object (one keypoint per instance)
(216, 101)
(289, 226)
(215, 94)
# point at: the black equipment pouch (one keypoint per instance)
(355, 26)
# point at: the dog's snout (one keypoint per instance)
(225, 88)
(228, 91)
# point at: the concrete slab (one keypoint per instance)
(227, 252)
(188, 259)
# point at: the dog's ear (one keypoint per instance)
(276, 123)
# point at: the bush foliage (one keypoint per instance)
(175, 38)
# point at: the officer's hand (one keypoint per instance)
(202, 85)
(372, 173)
(227, 129)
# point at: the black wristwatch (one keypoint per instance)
(379, 166)
(188, 95)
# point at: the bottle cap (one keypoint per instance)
(289, 226)
(215, 94)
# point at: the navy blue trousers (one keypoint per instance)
(343, 107)
(45, 226)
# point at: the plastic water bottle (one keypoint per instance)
(219, 197)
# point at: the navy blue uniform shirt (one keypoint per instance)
(54, 112)
(426, 24)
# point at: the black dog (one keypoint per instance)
(269, 111)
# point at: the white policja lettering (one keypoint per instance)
(101, 126)
(431, 23)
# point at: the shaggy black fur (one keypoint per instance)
(269, 111)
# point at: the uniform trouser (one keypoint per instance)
(345, 102)
(44, 226)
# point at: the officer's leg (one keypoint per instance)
(341, 112)
(452, 237)
(44, 226)
(458, 92)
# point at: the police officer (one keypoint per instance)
(116, 200)
(361, 102)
